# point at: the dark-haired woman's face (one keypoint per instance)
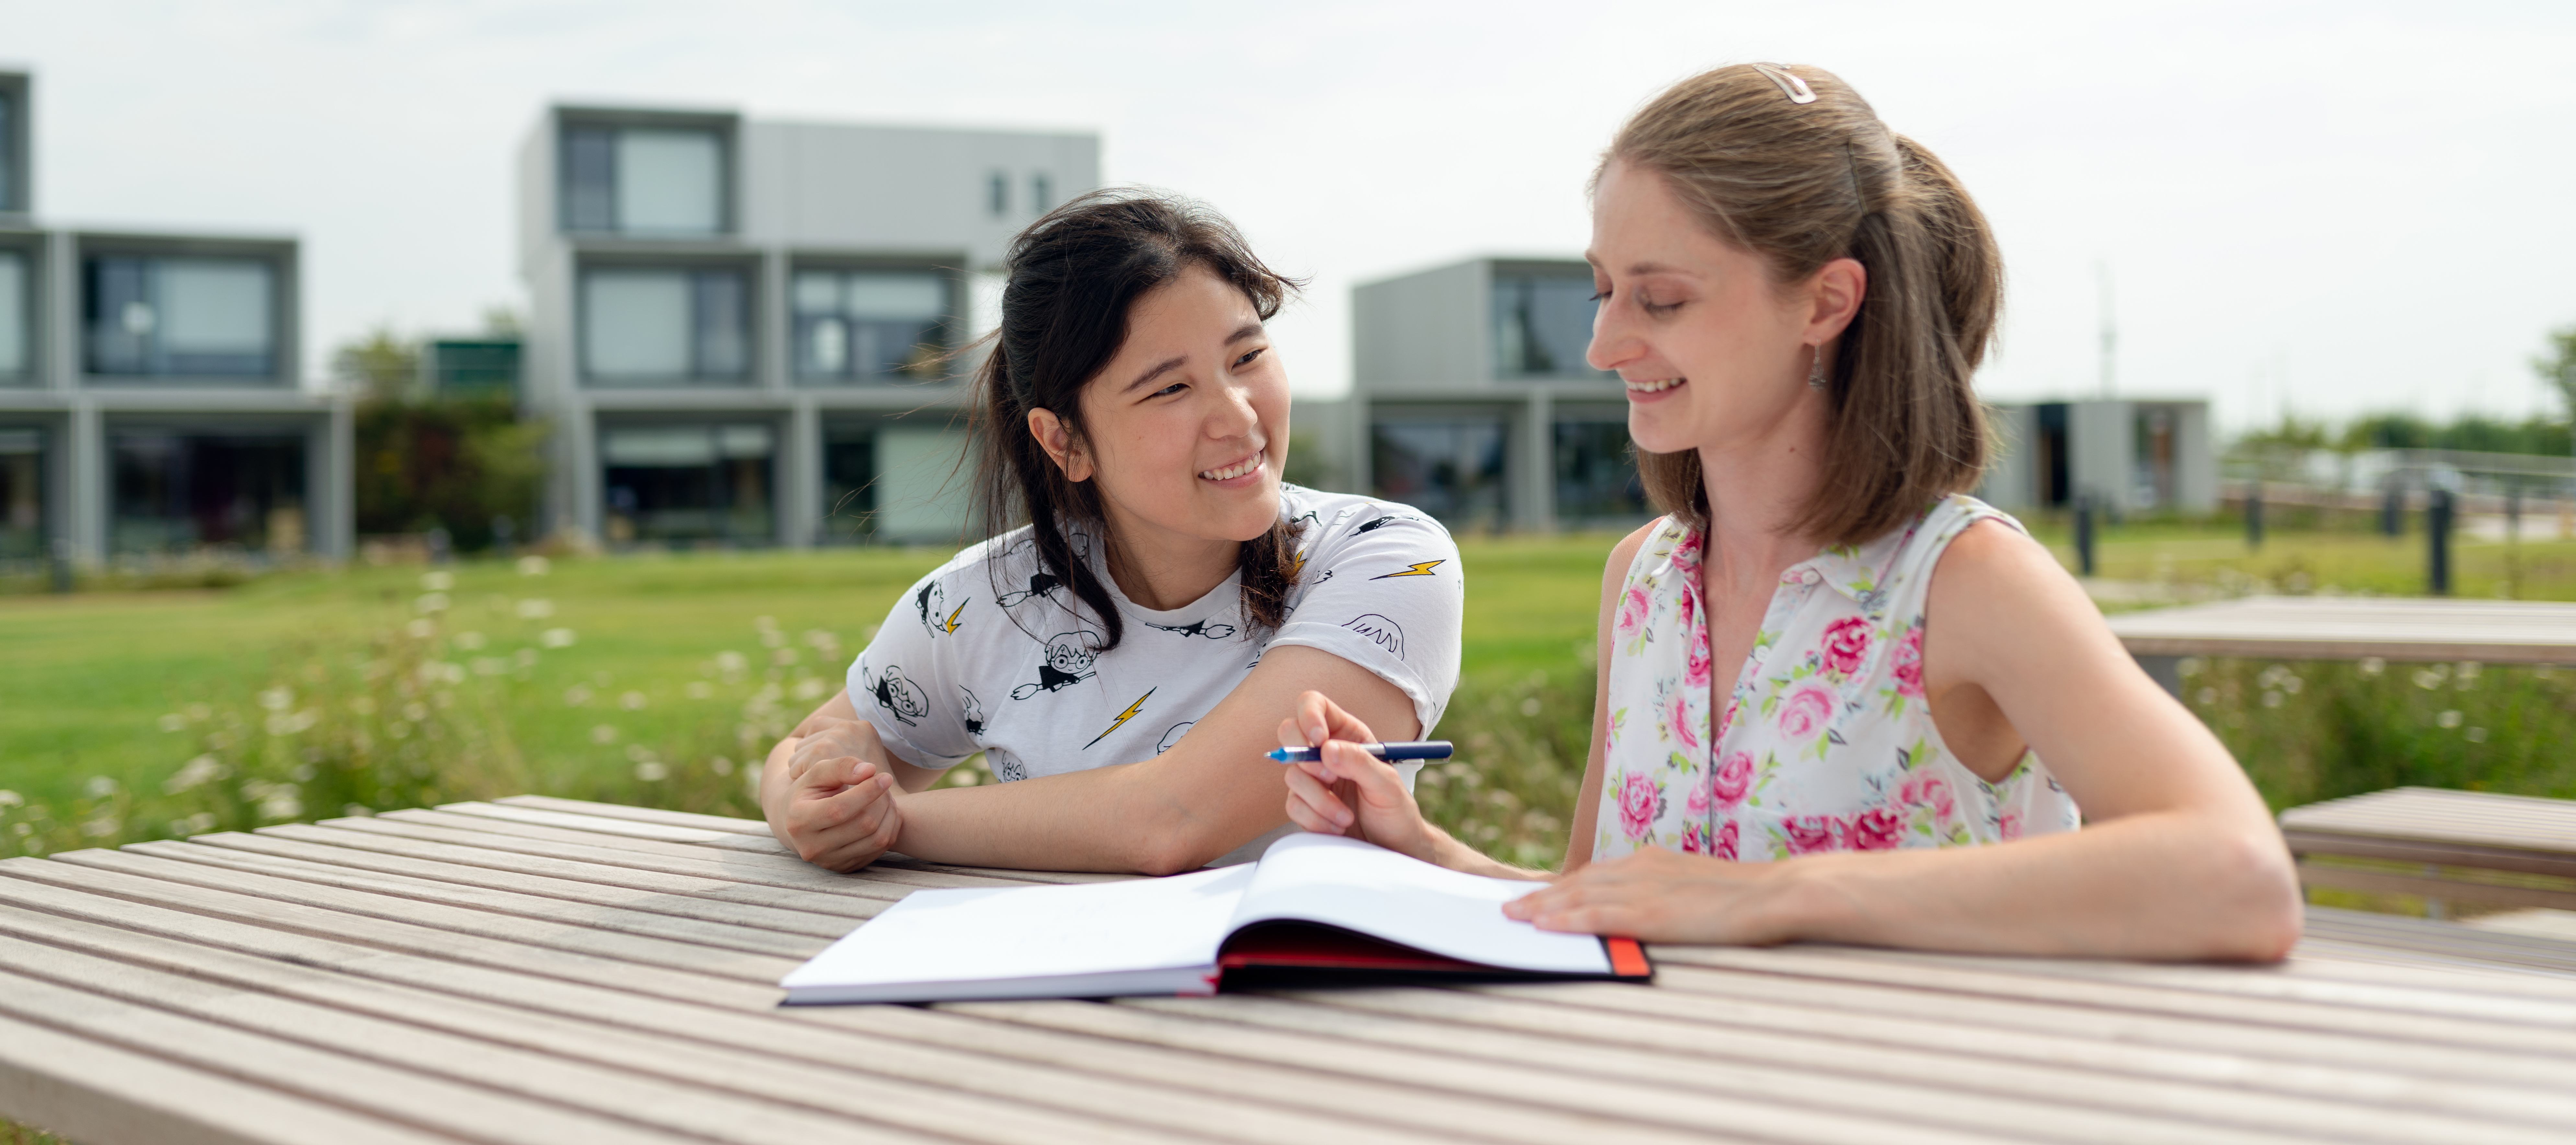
(1188, 424)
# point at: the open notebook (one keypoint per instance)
(1315, 909)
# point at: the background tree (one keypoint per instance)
(2558, 366)
(466, 464)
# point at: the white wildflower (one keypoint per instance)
(10, 798)
(277, 699)
(536, 608)
(431, 602)
(631, 701)
(203, 769)
(174, 722)
(2449, 719)
(700, 689)
(810, 688)
(2373, 665)
(469, 641)
(438, 581)
(576, 696)
(2477, 735)
(101, 787)
(651, 772)
(603, 734)
(534, 566)
(421, 629)
(556, 638)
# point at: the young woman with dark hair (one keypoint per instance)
(1828, 676)
(1122, 654)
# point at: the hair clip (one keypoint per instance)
(1790, 84)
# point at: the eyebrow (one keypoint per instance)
(1167, 365)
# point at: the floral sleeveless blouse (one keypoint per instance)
(1826, 744)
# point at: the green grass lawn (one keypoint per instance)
(659, 679)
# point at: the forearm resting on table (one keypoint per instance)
(2163, 885)
(1122, 818)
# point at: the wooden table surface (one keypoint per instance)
(2351, 628)
(546, 972)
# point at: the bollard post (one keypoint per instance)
(2084, 535)
(2437, 540)
(61, 564)
(2254, 515)
(2392, 512)
(2513, 512)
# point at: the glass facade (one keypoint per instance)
(1542, 326)
(22, 494)
(690, 484)
(178, 491)
(869, 325)
(849, 483)
(1596, 474)
(9, 154)
(17, 364)
(1451, 469)
(180, 317)
(656, 326)
(643, 180)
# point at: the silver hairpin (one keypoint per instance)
(1790, 84)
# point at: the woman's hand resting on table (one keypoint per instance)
(833, 799)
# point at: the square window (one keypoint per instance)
(1542, 326)
(656, 181)
(15, 365)
(869, 325)
(656, 325)
(181, 317)
(689, 483)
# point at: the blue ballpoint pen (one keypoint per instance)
(1418, 749)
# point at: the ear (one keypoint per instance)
(1059, 445)
(1835, 298)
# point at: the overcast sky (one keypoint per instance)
(2332, 208)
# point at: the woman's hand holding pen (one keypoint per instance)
(1349, 791)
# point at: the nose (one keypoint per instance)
(1613, 340)
(1234, 415)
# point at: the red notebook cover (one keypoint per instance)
(1287, 954)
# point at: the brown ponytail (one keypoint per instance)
(1070, 280)
(1802, 185)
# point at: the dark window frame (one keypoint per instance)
(579, 128)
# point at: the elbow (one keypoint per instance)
(1172, 853)
(2259, 910)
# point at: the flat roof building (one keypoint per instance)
(2126, 455)
(151, 398)
(1470, 399)
(740, 328)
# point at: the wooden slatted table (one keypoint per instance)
(539, 971)
(2349, 628)
(2441, 829)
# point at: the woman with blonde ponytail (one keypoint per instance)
(1840, 699)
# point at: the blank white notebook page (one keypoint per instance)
(1033, 932)
(1362, 887)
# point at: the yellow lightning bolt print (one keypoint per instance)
(1123, 717)
(950, 624)
(1420, 568)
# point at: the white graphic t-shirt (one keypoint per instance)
(989, 653)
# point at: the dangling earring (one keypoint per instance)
(1816, 372)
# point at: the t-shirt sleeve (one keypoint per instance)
(903, 683)
(1390, 599)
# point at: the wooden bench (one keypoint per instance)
(538, 971)
(2440, 829)
(2348, 628)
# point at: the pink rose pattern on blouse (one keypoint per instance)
(1825, 743)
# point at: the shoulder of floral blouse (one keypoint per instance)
(1996, 593)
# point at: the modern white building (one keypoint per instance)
(2128, 455)
(739, 328)
(150, 388)
(1470, 399)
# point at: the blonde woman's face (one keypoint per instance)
(1187, 426)
(1712, 353)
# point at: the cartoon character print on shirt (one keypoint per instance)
(1069, 657)
(1172, 735)
(971, 712)
(1379, 630)
(900, 696)
(932, 605)
(1041, 583)
(1197, 628)
(1005, 766)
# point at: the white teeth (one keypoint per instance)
(1656, 387)
(1235, 470)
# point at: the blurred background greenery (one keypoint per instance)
(660, 678)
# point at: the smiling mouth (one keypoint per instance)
(1238, 469)
(1657, 386)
